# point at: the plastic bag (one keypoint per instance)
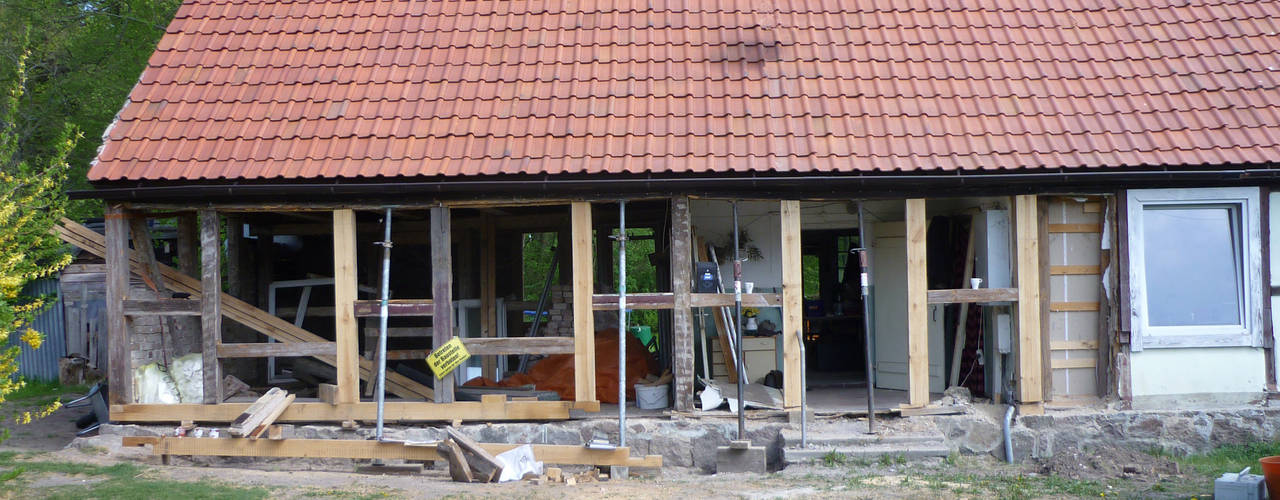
(152, 385)
(188, 376)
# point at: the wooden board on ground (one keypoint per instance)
(363, 449)
(459, 467)
(485, 467)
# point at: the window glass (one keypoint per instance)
(1193, 274)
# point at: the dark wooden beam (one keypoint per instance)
(295, 349)
(973, 295)
(119, 367)
(163, 307)
(210, 304)
(681, 267)
(396, 307)
(442, 293)
(519, 345)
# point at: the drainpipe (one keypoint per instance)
(622, 323)
(382, 321)
(1008, 440)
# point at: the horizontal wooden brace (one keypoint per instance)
(277, 349)
(973, 295)
(1075, 270)
(161, 307)
(1074, 363)
(395, 411)
(398, 307)
(1073, 306)
(1075, 228)
(367, 449)
(1073, 345)
(609, 301)
(519, 345)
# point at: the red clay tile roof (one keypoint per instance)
(261, 89)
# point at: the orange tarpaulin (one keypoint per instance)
(555, 372)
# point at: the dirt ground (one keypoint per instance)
(1112, 473)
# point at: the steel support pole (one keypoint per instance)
(864, 266)
(622, 323)
(737, 320)
(382, 322)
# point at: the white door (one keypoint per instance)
(1274, 280)
(889, 287)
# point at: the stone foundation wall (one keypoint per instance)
(1175, 431)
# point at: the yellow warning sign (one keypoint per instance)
(447, 357)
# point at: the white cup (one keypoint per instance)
(748, 286)
(976, 283)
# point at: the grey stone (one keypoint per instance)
(749, 459)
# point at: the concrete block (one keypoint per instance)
(747, 459)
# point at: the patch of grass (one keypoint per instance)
(344, 494)
(952, 459)
(886, 460)
(834, 458)
(1013, 486)
(1227, 458)
(900, 459)
(48, 390)
(122, 480)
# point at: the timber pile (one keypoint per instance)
(258, 418)
(468, 462)
(556, 475)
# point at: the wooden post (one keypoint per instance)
(442, 292)
(1027, 232)
(346, 330)
(186, 333)
(917, 304)
(488, 292)
(681, 315)
(142, 243)
(792, 302)
(1042, 234)
(119, 364)
(210, 304)
(584, 341)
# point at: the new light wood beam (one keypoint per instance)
(346, 330)
(117, 289)
(442, 292)
(917, 304)
(584, 356)
(210, 304)
(792, 302)
(1027, 232)
(681, 267)
(315, 411)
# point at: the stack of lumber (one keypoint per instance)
(258, 418)
(555, 475)
(468, 462)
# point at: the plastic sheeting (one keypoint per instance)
(555, 372)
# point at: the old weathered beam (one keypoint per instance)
(117, 288)
(210, 304)
(519, 345)
(681, 267)
(395, 307)
(163, 307)
(442, 292)
(973, 295)
(277, 349)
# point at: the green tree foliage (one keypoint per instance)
(31, 202)
(82, 59)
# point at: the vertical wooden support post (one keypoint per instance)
(584, 340)
(917, 304)
(1042, 235)
(210, 304)
(488, 292)
(346, 330)
(681, 315)
(442, 292)
(1027, 231)
(188, 245)
(119, 361)
(792, 302)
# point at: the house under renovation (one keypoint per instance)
(1057, 202)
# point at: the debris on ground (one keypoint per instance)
(1109, 462)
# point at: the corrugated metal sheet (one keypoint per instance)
(267, 89)
(42, 363)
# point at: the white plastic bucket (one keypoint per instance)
(651, 397)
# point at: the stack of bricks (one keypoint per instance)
(145, 345)
(559, 312)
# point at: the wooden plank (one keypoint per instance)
(162, 307)
(488, 292)
(271, 417)
(278, 349)
(1075, 228)
(663, 300)
(1075, 270)
(251, 416)
(238, 310)
(368, 449)
(792, 302)
(726, 300)
(1075, 363)
(346, 327)
(141, 236)
(484, 465)
(519, 345)
(1046, 335)
(395, 411)
(972, 295)
(584, 356)
(1092, 207)
(1073, 306)
(722, 330)
(327, 393)
(1027, 232)
(459, 467)
(116, 243)
(1073, 345)
(395, 307)
(917, 304)
(210, 304)
(681, 269)
(442, 291)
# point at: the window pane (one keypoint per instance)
(1192, 266)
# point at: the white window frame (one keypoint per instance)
(1249, 332)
